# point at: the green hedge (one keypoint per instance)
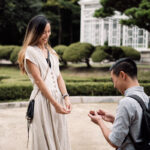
(60, 49)
(99, 80)
(3, 77)
(15, 91)
(74, 89)
(91, 89)
(79, 52)
(5, 52)
(131, 52)
(99, 54)
(14, 54)
(113, 53)
(9, 53)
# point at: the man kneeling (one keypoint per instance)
(129, 112)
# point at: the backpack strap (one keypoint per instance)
(140, 101)
(144, 108)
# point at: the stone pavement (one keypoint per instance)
(74, 99)
(84, 135)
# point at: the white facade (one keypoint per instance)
(97, 31)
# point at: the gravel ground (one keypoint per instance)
(84, 135)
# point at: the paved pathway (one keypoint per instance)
(84, 135)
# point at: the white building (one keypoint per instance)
(97, 31)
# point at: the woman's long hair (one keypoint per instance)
(34, 31)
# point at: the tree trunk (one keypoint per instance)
(87, 62)
(71, 31)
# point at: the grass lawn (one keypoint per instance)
(12, 75)
(76, 76)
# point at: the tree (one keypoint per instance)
(64, 16)
(79, 52)
(137, 11)
(15, 15)
(60, 49)
(66, 22)
(113, 53)
(99, 54)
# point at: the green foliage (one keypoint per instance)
(146, 88)
(64, 16)
(14, 54)
(109, 6)
(17, 13)
(5, 52)
(99, 54)
(91, 89)
(138, 15)
(74, 89)
(113, 53)
(3, 77)
(117, 52)
(15, 91)
(79, 52)
(131, 52)
(14, 85)
(100, 80)
(9, 53)
(136, 10)
(60, 49)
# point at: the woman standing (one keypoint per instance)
(49, 128)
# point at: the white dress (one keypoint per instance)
(49, 129)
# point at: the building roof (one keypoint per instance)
(81, 2)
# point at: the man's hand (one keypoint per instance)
(106, 116)
(95, 117)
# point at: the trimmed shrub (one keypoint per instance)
(5, 52)
(99, 54)
(131, 52)
(146, 88)
(79, 52)
(117, 53)
(113, 53)
(60, 49)
(9, 53)
(14, 54)
(99, 80)
(79, 88)
(3, 77)
(107, 52)
(15, 91)
(91, 89)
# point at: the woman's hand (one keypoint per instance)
(60, 109)
(68, 104)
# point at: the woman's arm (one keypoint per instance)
(62, 87)
(61, 84)
(40, 83)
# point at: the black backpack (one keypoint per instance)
(145, 126)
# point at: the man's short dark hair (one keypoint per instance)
(126, 65)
